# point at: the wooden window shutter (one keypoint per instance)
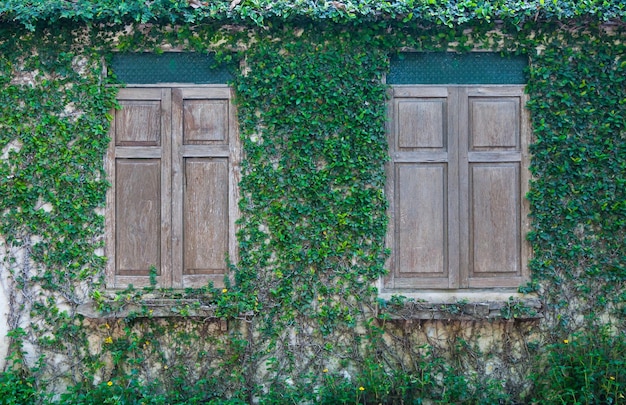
(493, 172)
(138, 209)
(172, 201)
(455, 183)
(423, 182)
(204, 201)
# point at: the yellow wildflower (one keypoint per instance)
(108, 340)
(325, 370)
(224, 291)
(165, 367)
(565, 341)
(110, 383)
(612, 378)
(361, 389)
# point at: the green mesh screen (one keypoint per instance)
(169, 67)
(453, 68)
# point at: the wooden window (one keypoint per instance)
(456, 182)
(172, 202)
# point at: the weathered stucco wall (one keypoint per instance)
(291, 324)
(4, 313)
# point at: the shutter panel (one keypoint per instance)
(205, 211)
(137, 216)
(423, 181)
(203, 178)
(422, 238)
(491, 166)
(138, 226)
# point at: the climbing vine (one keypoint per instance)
(313, 208)
(578, 190)
(53, 134)
(299, 319)
(313, 181)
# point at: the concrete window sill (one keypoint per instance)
(153, 308)
(525, 309)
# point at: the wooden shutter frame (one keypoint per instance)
(468, 158)
(448, 158)
(457, 135)
(161, 152)
(180, 152)
(170, 241)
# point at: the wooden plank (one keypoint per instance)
(209, 92)
(455, 192)
(421, 123)
(205, 121)
(138, 216)
(134, 94)
(177, 188)
(205, 150)
(166, 186)
(138, 123)
(423, 157)
(421, 220)
(202, 280)
(205, 234)
(109, 217)
(387, 282)
(234, 176)
(130, 152)
(494, 123)
(122, 281)
(494, 91)
(525, 142)
(477, 157)
(462, 122)
(495, 237)
(400, 91)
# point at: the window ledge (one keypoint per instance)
(149, 308)
(523, 309)
(404, 309)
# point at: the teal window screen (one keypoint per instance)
(168, 67)
(453, 68)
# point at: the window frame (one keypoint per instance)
(458, 284)
(173, 154)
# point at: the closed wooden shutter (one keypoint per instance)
(455, 184)
(138, 208)
(493, 167)
(171, 205)
(423, 178)
(203, 149)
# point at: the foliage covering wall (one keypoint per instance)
(301, 313)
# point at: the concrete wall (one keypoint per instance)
(4, 316)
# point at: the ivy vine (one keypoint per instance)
(578, 192)
(301, 311)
